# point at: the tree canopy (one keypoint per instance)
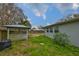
(10, 14)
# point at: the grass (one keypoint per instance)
(39, 46)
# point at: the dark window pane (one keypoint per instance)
(56, 30)
(51, 30)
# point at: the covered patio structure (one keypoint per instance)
(16, 32)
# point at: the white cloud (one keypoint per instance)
(36, 12)
(39, 13)
(39, 9)
(62, 7)
(75, 6)
(44, 17)
(48, 23)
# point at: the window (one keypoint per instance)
(56, 29)
(47, 30)
(51, 30)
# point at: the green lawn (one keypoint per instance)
(40, 46)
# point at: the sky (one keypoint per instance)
(42, 14)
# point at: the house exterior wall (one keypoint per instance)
(0, 35)
(3, 34)
(14, 34)
(71, 30)
(49, 34)
(18, 35)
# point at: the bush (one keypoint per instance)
(61, 39)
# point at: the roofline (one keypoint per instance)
(64, 22)
(15, 26)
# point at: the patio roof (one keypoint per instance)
(16, 26)
(8, 27)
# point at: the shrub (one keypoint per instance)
(61, 39)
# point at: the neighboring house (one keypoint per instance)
(36, 31)
(13, 32)
(70, 27)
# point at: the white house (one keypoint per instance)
(70, 27)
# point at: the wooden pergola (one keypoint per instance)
(13, 27)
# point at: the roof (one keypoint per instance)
(15, 26)
(37, 29)
(64, 22)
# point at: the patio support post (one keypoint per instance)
(53, 31)
(7, 33)
(27, 34)
(45, 31)
(49, 30)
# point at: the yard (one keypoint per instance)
(39, 46)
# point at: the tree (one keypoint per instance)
(10, 14)
(26, 23)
